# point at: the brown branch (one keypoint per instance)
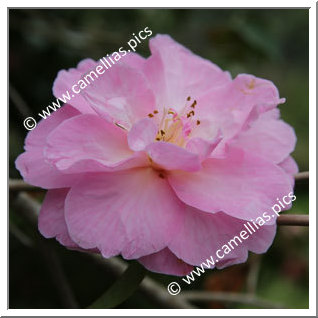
(293, 219)
(17, 185)
(18, 101)
(302, 176)
(253, 274)
(202, 296)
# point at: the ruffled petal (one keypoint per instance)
(202, 147)
(142, 134)
(289, 165)
(270, 138)
(51, 218)
(165, 262)
(88, 143)
(169, 59)
(203, 234)
(122, 95)
(231, 108)
(242, 185)
(133, 213)
(171, 157)
(65, 81)
(33, 165)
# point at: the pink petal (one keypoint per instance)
(168, 61)
(230, 108)
(203, 234)
(203, 148)
(132, 212)
(165, 262)
(36, 138)
(32, 164)
(260, 92)
(242, 185)
(133, 60)
(35, 170)
(89, 139)
(171, 157)
(66, 79)
(142, 134)
(289, 165)
(122, 95)
(270, 138)
(51, 217)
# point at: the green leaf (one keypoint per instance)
(122, 289)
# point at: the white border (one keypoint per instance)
(312, 157)
(312, 164)
(164, 3)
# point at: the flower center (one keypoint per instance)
(176, 127)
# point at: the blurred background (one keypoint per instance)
(272, 44)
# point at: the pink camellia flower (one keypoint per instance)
(162, 160)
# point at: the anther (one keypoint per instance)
(190, 114)
(155, 112)
(188, 98)
(120, 126)
(193, 104)
(150, 115)
(162, 132)
(198, 122)
(161, 175)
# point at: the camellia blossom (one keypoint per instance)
(162, 160)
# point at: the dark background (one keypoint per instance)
(272, 44)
